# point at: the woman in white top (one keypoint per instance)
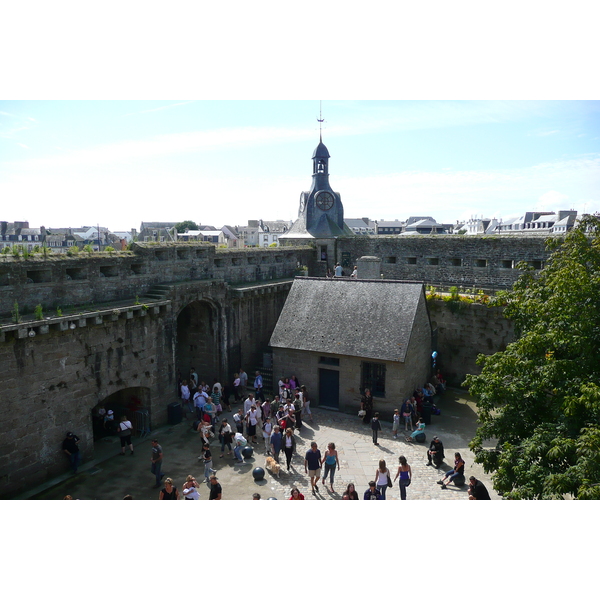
(190, 489)
(381, 478)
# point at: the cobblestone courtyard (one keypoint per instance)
(111, 476)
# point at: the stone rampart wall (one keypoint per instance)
(87, 279)
(470, 261)
(463, 332)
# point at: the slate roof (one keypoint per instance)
(364, 318)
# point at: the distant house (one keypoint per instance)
(390, 227)
(362, 226)
(539, 222)
(422, 226)
(154, 231)
(261, 233)
(231, 237)
(339, 336)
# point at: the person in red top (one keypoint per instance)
(296, 495)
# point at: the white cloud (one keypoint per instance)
(165, 145)
(552, 201)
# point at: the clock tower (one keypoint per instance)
(320, 217)
(320, 214)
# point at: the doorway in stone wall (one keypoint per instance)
(198, 341)
(129, 402)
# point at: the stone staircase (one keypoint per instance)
(158, 292)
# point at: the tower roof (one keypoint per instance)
(321, 151)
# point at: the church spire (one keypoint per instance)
(320, 119)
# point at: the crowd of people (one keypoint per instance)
(274, 424)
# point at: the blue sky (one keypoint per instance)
(73, 163)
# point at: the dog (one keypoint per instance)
(272, 465)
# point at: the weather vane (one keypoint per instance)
(320, 119)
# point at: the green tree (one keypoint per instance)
(539, 400)
(186, 226)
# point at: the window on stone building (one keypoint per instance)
(480, 262)
(506, 264)
(433, 261)
(373, 377)
(390, 260)
(456, 262)
(411, 260)
(536, 264)
(329, 360)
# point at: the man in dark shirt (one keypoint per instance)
(71, 449)
(312, 465)
(477, 491)
(372, 493)
(435, 452)
(215, 489)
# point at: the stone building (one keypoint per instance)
(339, 336)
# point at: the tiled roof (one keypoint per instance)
(364, 318)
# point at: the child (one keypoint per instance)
(239, 421)
(396, 423)
(267, 430)
(376, 427)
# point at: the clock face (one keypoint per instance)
(324, 200)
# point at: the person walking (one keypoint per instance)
(276, 439)
(289, 446)
(366, 405)
(216, 491)
(157, 459)
(312, 466)
(258, 385)
(331, 460)
(376, 427)
(190, 488)
(382, 478)
(267, 429)
(243, 382)
(405, 474)
(207, 460)
(70, 447)
(225, 437)
(125, 430)
(169, 492)
(395, 424)
(237, 394)
(305, 403)
(251, 423)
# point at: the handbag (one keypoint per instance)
(362, 413)
(390, 484)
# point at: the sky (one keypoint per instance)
(117, 163)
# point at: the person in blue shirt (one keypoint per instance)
(258, 385)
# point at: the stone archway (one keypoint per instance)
(127, 402)
(199, 341)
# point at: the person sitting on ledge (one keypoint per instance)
(452, 474)
(420, 429)
(435, 452)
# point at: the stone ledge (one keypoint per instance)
(72, 322)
